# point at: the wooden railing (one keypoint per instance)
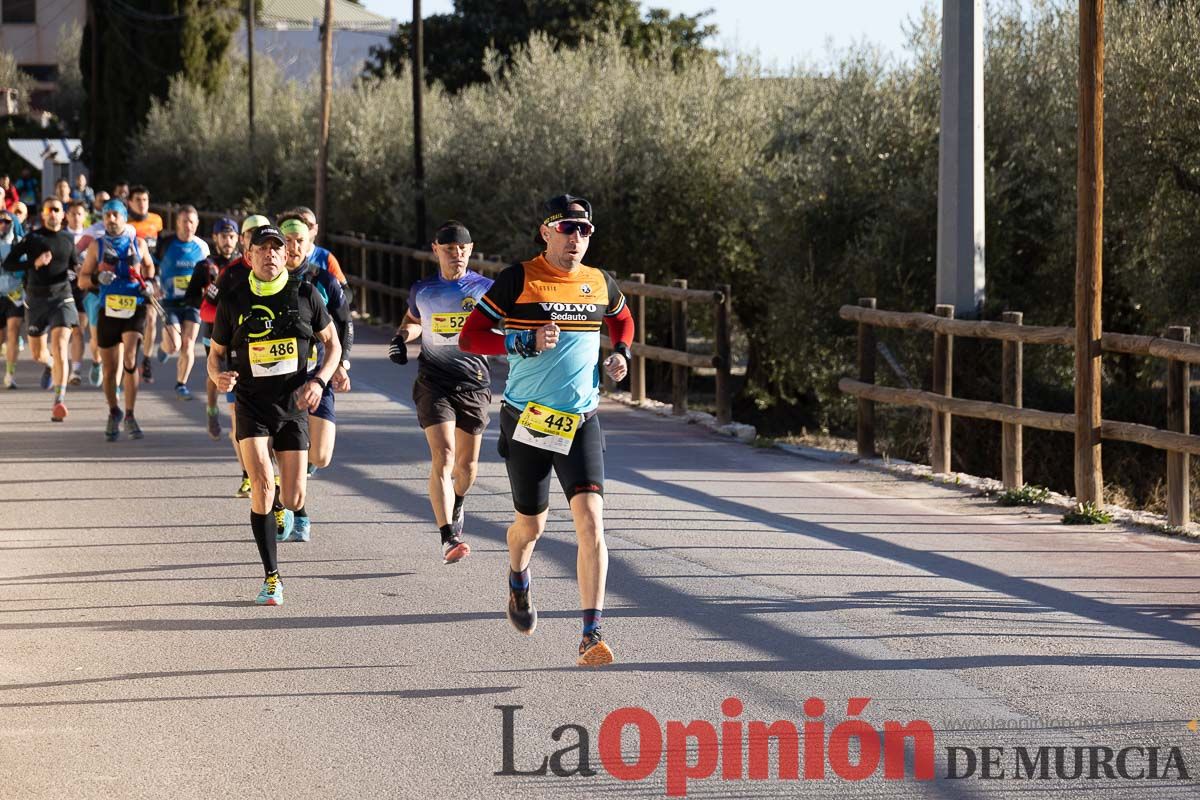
(1175, 346)
(380, 273)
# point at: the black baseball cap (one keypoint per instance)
(266, 232)
(559, 208)
(452, 232)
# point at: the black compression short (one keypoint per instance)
(580, 470)
(289, 433)
(111, 330)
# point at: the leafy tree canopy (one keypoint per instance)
(455, 44)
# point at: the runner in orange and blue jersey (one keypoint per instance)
(551, 309)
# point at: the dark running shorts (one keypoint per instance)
(289, 434)
(580, 470)
(325, 409)
(10, 310)
(467, 409)
(43, 316)
(110, 330)
(178, 313)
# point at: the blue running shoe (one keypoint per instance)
(182, 391)
(132, 428)
(47, 378)
(94, 374)
(113, 429)
(285, 523)
(271, 593)
(312, 470)
(302, 532)
(162, 356)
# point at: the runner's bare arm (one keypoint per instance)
(147, 268)
(309, 395)
(410, 327)
(225, 380)
(87, 272)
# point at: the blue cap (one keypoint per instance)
(225, 225)
(117, 206)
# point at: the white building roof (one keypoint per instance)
(36, 151)
(292, 15)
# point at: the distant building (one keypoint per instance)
(54, 159)
(31, 30)
(289, 32)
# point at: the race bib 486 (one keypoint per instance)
(273, 357)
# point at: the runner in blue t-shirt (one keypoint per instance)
(453, 389)
(177, 257)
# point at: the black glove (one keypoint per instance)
(398, 352)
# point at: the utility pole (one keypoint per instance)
(1089, 241)
(326, 102)
(93, 92)
(418, 70)
(250, 68)
(960, 251)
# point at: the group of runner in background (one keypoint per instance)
(274, 315)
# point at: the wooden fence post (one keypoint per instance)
(637, 370)
(1178, 420)
(679, 334)
(943, 384)
(395, 282)
(1012, 382)
(362, 273)
(724, 344)
(866, 374)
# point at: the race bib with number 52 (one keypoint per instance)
(447, 327)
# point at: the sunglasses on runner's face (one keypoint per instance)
(568, 227)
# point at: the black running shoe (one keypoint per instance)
(147, 370)
(521, 612)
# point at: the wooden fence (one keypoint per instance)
(1175, 346)
(380, 273)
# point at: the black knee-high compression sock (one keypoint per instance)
(263, 526)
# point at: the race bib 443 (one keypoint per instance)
(273, 357)
(547, 428)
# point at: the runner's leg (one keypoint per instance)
(441, 484)
(187, 351)
(323, 435)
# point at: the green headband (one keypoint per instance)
(293, 226)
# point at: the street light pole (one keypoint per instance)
(326, 102)
(418, 70)
(250, 68)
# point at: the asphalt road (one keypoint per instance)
(133, 662)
